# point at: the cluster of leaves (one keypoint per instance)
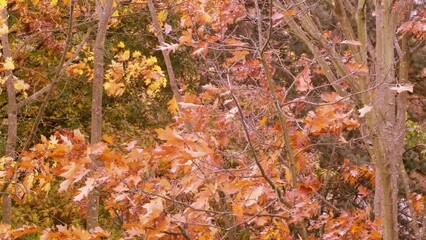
(128, 67)
(186, 185)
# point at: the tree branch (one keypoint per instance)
(167, 60)
(48, 87)
(55, 79)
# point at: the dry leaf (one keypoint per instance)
(364, 110)
(399, 88)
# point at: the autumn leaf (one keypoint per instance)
(17, 233)
(169, 135)
(154, 209)
(69, 174)
(304, 82)
(121, 45)
(351, 42)
(34, 2)
(20, 85)
(84, 191)
(162, 15)
(357, 68)
(238, 56)
(186, 38)
(364, 110)
(107, 138)
(168, 47)
(8, 64)
(263, 121)
(172, 106)
(53, 3)
(253, 196)
(167, 28)
(290, 13)
(399, 88)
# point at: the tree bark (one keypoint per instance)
(104, 11)
(12, 122)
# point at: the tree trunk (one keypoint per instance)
(12, 122)
(104, 12)
(387, 125)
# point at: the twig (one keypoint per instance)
(183, 232)
(256, 158)
(55, 79)
(413, 215)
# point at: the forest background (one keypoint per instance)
(213, 119)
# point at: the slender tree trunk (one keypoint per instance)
(167, 60)
(104, 12)
(12, 122)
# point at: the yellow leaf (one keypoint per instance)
(107, 138)
(8, 64)
(53, 3)
(151, 61)
(121, 45)
(162, 16)
(172, 106)
(136, 54)
(107, 85)
(20, 85)
(263, 120)
(3, 3)
(126, 55)
(34, 2)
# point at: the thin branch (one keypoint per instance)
(183, 232)
(413, 215)
(168, 62)
(282, 119)
(48, 87)
(256, 158)
(55, 79)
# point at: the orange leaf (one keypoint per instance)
(107, 138)
(172, 106)
(290, 13)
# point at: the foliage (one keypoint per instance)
(245, 84)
